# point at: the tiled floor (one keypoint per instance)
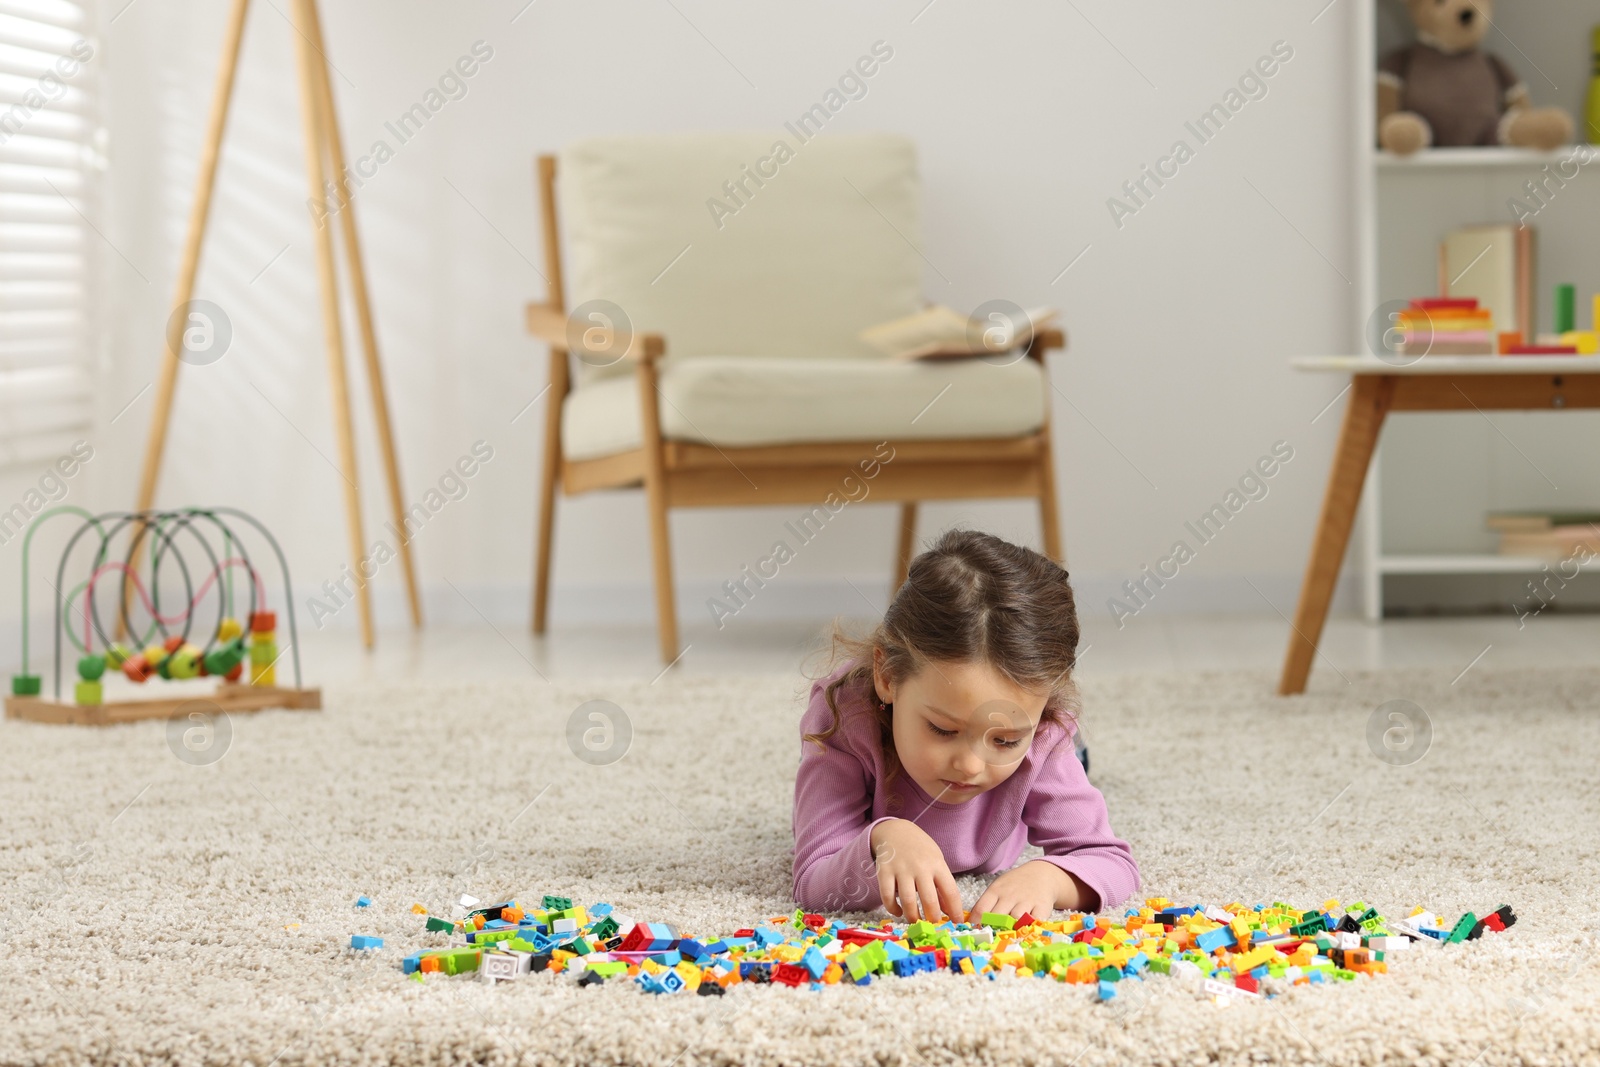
(1147, 644)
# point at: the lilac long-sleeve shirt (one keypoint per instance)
(840, 794)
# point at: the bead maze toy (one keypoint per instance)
(1233, 953)
(169, 645)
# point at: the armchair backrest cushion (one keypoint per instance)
(737, 244)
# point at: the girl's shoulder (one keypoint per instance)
(1052, 738)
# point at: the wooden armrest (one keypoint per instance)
(1048, 338)
(550, 326)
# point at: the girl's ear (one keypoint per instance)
(883, 690)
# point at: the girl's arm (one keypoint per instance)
(1066, 816)
(833, 865)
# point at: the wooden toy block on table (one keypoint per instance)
(115, 599)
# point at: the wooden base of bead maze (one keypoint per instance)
(228, 697)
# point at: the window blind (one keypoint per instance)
(48, 161)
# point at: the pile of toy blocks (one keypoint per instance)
(1226, 953)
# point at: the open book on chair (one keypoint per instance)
(940, 332)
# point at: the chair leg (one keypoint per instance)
(549, 482)
(661, 550)
(545, 537)
(1049, 516)
(655, 491)
(908, 536)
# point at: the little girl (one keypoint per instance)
(945, 744)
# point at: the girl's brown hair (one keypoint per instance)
(971, 598)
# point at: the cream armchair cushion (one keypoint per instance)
(739, 402)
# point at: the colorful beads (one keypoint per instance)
(91, 667)
(137, 668)
(184, 662)
(263, 648)
(88, 693)
(26, 685)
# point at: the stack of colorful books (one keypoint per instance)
(1446, 326)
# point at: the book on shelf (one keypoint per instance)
(1546, 534)
(1494, 264)
(1538, 521)
(1562, 542)
(941, 332)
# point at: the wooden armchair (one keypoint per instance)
(713, 356)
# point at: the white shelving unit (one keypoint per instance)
(1436, 475)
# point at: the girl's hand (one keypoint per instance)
(913, 877)
(1036, 888)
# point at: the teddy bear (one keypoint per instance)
(1444, 91)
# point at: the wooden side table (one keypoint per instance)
(1432, 383)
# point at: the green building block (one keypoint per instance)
(556, 903)
(999, 922)
(443, 926)
(460, 960)
(1463, 927)
(490, 937)
(608, 968)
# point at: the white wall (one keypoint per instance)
(1029, 115)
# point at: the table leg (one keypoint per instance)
(1370, 397)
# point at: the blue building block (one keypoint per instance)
(691, 949)
(766, 937)
(1108, 990)
(814, 962)
(362, 902)
(1211, 940)
(362, 941)
(893, 951)
(600, 911)
(411, 964)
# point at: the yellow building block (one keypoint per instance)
(1587, 342)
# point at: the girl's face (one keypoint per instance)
(959, 728)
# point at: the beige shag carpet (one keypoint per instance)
(167, 910)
